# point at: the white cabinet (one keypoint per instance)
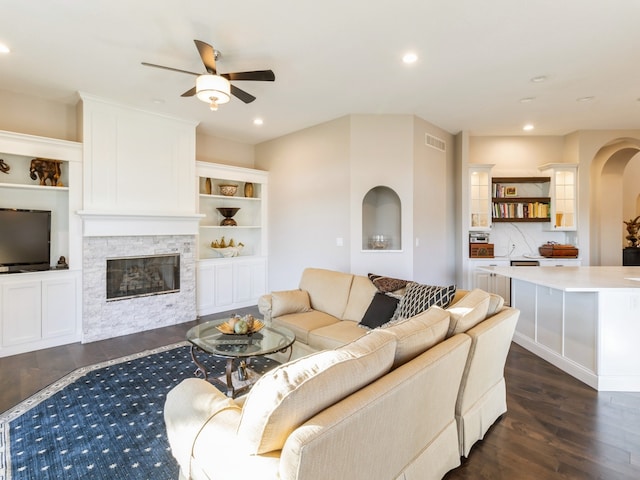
(230, 283)
(563, 192)
(39, 310)
(225, 283)
(479, 197)
(488, 281)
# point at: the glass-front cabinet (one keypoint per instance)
(563, 193)
(479, 197)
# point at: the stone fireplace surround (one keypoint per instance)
(111, 236)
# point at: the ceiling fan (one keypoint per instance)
(215, 88)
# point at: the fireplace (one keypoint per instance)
(129, 277)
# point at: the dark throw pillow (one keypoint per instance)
(387, 284)
(380, 310)
(419, 298)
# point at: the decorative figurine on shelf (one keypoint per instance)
(632, 227)
(45, 169)
(62, 263)
(4, 167)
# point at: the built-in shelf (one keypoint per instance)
(33, 187)
(520, 199)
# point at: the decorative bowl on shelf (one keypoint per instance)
(228, 214)
(229, 327)
(228, 190)
(228, 252)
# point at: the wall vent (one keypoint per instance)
(435, 142)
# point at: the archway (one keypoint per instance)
(607, 203)
(381, 220)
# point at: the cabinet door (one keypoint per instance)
(21, 312)
(480, 198)
(58, 307)
(223, 284)
(250, 281)
(205, 288)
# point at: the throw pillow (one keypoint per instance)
(289, 301)
(287, 396)
(380, 311)
(469, 311)
(387, 284)
(419, 298)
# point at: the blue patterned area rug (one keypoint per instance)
(102, 421)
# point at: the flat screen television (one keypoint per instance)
(25, 240)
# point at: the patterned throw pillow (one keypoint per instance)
(387, 284)
(419, 298)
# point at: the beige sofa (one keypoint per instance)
(404, 401)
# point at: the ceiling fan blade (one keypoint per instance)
(189, 93)
(261, 75)
(169, 68)
(208, 56)
(242, 95)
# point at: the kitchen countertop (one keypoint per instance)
(574, 279)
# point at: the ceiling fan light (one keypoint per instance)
(213, 89)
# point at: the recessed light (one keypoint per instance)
(4, 48)
(527, 99)
(528, 127)
(539, 79)
(258, 121)
(409, 58)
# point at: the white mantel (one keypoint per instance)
(117, 224)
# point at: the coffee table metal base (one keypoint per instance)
(233, 381)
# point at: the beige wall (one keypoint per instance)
(309, 194)
(218, 150)
(319, 177)
(35, 116)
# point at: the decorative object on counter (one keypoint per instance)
(224, 249)
(238, 325)
(632, 228)
(4, 167)
(556, 250)
(481, 250)
(379, 242)
(228, 214)
(228, 190)
(46, 169)
(62, 263)
(207, 186)
(248, 189)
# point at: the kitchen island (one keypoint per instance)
(583, 320)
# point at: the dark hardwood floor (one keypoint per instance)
(556, 427)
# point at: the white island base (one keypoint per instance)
(583, 320)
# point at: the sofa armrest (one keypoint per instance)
(265, 306)
(188, 408)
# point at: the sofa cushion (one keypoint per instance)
(328, 290)
(360, 296)
(335, 335)
(287, 396)
(417, 334)
(303, 323)
(289, 301)
(496, 303)
(387, 284)
(469, 311)
(380, 311)
(419, 298)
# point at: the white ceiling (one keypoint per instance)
(332, 58)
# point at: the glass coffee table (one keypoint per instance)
(207, 338)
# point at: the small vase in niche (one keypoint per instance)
(207, 186)
(248, 189)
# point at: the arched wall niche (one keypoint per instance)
(614, 196)
(381, 219)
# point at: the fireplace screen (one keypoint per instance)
(140, 276)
